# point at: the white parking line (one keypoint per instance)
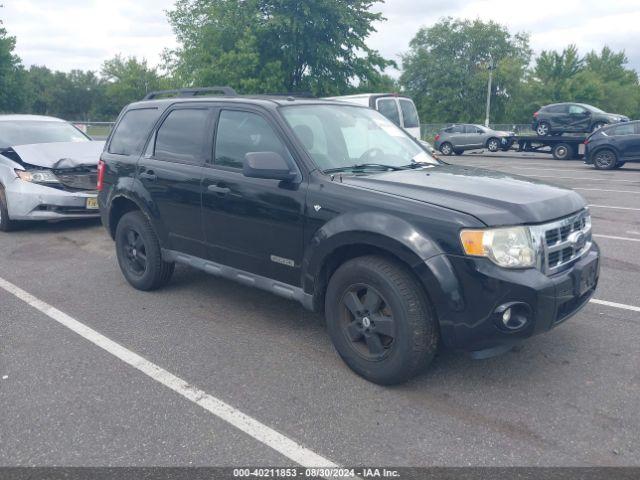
(277, 441)
(605, 190)
(616, 305)
(612, 237)
(614, 207)
(584, 178)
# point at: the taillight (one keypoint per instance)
(535, 115)
(437, 137)
(586, 141)
(101, 169)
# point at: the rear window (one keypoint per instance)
(183, 135)
(132, 130)
(409, 114)
(389, 108)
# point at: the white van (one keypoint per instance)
(397, 108)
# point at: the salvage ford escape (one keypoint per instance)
(333, 205)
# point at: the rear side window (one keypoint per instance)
(409, 114)
(456, 129)
(182, 137)
(625, 129)
(242, 132)
(132, 131)
(389, 108)
(556, 109)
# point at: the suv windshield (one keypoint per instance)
(348, 137)
(28, 132)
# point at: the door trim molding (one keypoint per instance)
(246, 278)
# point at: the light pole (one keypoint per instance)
(491, 68)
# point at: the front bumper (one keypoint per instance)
(31, 201)
(471, 323)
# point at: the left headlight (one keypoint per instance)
(510, 247)
(37, 176)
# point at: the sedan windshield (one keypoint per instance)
(353, 138)
(27, 132)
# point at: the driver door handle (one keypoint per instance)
(220, 190)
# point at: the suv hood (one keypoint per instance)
(493, 197)
(60, 155)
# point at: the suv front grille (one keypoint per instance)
(563, 242)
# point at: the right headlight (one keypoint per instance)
(510, 247)
(37, 176)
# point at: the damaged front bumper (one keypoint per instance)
(31, 201)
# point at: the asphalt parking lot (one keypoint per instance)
(567, 398)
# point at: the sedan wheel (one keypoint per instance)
(605, 160)
(446, 148)
(543, 129)
(493, 145)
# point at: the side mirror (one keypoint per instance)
(268, 165)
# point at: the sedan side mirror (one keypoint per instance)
(268, 165)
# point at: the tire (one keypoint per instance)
(6, 224)
(458, 152)
(605, 159)
(446, 148)
(619, 165)
(493, 144)
(353, 320)
(562, 151)
(543, 129)
(597, 125)
(139, 254)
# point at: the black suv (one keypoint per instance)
(333, 205)
(561, 118)
(613, 146)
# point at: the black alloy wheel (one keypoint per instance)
(135, 252)
(367, 322)
(605, 159)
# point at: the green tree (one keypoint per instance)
(11, 74)
(125, 80)
(259, 46)
(446, 70)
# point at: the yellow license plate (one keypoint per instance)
(92, 203)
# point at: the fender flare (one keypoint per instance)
(412, 246)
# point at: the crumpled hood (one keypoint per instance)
(495, 198)
(60, 155)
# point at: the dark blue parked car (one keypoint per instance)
(612, 146)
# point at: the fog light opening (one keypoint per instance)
(513, 316)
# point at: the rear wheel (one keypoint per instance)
(605, 159)
(446, 148)
(562, 151)
(139, 254)
(6, 224)
(493, 144)
(380, 320)
(543, 129)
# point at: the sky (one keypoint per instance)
(81, 34)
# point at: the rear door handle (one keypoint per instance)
(221, 190)
(149, 175)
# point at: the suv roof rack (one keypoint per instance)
(191, 92)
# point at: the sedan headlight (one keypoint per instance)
(37, 176)
(507, 247)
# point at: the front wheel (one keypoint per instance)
(380, 320)
(605, 159)
(493, 145)
(139, 254)
(6, 224)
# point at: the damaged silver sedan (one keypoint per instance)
(48, 170)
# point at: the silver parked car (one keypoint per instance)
(48, 170)
(458, 138)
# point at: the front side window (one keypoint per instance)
(182, 137)
(132, 131)
(577, 110)
(239, 133)
(357, 136)
(30, 132)
(409, 114)
(389, 108)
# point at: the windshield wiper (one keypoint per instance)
(363, 166)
